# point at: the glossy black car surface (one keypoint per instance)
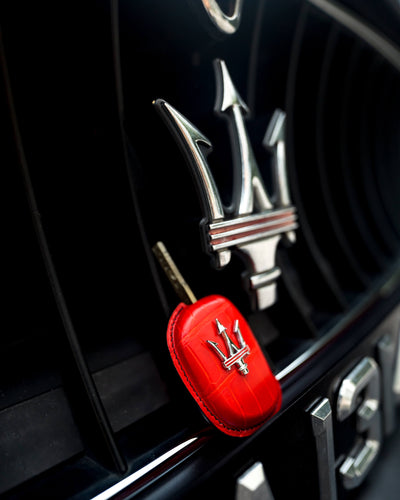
(92, 179)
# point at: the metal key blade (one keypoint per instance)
(180, 286)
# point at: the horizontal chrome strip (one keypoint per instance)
(233, 359)
(254, 227)
(116, 488)
(249, 219)
(232, 241)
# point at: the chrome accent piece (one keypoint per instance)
(225, 23)
(364, 380)
(321, 420)
(261, 259)
(275, 139)
(372, 37)
(256, 226)
(396, 377)
(253, 485)
(236, 354)
(190, 139)
(266, 278)
(257, 239)
(234, 239)
(248, 185)
(116, 488)
(254, 219)
(387, 351)
(254, 230)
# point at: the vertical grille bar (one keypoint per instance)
(98, 415)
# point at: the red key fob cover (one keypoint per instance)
(235, 389)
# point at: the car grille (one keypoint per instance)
(92, 179)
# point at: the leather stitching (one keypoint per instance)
(175, 317)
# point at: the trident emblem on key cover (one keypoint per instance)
(236, 354)
(255, 226)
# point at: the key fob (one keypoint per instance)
(222, 365)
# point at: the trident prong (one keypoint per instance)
(236, 329)
(187, 134)
(274, 140)
(190, 139)
(248, 186)
(235, 353)
(214, 345)
(228, 342)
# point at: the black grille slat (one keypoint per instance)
(327, 126)
(317, 261)
(33, 427)
(368, 244)
(386, 149)
(344, 266)
(372, 202)
(350, 231)
(99, 419)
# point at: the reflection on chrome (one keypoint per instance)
(105, 495)
(225, 23)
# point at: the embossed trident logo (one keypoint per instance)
(236, 354)
(256, 225)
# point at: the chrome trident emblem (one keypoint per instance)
(256, 226)
(236, 354)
